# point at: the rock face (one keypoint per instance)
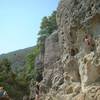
(52, 75)
(67, 76)
(75, 18)
(71, 66)
(52, 51)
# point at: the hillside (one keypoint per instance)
(17, 58)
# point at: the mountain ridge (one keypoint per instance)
(17, 58)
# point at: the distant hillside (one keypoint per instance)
(17, 58)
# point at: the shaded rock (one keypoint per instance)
(39, 62)
(52, 53)
(32, 90)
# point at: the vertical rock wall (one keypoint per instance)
(77, 77)
(74, 18)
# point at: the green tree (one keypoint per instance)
(52, 22)
(30, 63)
(44, 23)
(6, 63)
(48, 25)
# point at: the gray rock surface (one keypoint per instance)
(77, 77)
(52, 53)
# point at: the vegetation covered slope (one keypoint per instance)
(13, 75)
(17, 58)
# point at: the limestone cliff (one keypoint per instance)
(75, 77)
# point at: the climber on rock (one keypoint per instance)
(89, 43)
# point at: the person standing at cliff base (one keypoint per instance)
(3, 94)
(89, 43)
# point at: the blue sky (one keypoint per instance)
(20, 22)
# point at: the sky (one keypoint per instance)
(20, 21)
